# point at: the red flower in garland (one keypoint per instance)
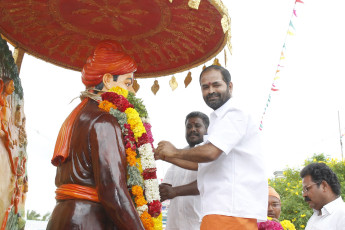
(144, 139)
(155, 208)
(120, 101)
(109, 96)
(129, 137)
(149, 174)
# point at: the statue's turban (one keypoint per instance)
(108, 57)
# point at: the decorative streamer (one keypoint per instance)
(225, 58)
(274, 87)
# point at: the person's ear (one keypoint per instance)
(325, 186)
(230, 86)
(107, 80)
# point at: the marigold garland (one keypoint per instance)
(141, 169)
(119, 91)
(157, 222)
(106, 105)
(287, 225)
(131, 157)
(147, 221)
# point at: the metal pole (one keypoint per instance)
(341, 142)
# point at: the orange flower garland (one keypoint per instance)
(131, 157)
(106, 105)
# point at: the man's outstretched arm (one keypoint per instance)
(168, 192)
(179, 162)
(200, 154)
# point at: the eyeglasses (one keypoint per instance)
(306, 189)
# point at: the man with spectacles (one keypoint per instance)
(274, 204)
(321, 189)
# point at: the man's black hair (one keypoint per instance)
(101, 85)
(225, 73)
(321, 172)
(201, 115)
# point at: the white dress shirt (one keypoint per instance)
(332, 217)
(235, 184)
(184, 211)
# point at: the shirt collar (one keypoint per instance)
(331, 206)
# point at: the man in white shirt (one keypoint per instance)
(180, 184)
(321, 189)
(231, 174)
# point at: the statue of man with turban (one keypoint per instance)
(90, 153)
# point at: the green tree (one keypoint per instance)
(289, 187)
(46, 216)
(32, 215)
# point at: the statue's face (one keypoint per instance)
(9, 87)
(124, 81)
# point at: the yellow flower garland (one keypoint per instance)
(136, 124)
(119, 91)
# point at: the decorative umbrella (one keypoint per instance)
(163, 36)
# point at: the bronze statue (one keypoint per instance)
(90, 154)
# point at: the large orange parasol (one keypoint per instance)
(163, 36)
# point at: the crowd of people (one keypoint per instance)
(230, 180)
(217, 182)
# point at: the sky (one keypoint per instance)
(301, 119)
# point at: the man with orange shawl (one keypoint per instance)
(90, 153)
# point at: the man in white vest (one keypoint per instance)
(180, 184)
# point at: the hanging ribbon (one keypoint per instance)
(274, 87)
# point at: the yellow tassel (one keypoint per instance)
(173, 83)
(170, 1)
(216, 62)
(188, 79)
(155, 87)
